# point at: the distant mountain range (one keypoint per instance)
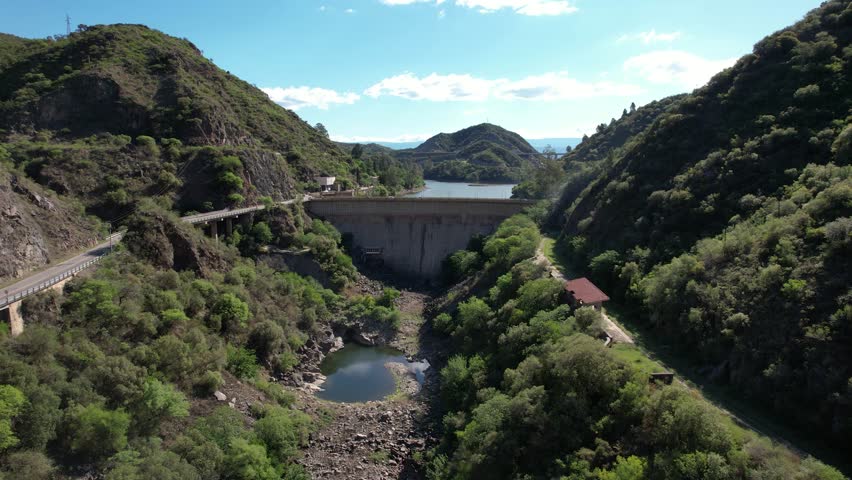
(558, 144)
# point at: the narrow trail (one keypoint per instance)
(738, 415)
(618, 335)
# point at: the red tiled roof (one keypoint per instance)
(585, 291)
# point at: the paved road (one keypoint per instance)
(228, 212)
(55, 273)
(58, 272)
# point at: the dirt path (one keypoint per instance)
(379, 439)
(618, 335)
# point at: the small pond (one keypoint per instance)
(358, 374)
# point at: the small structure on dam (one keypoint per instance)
(414, 234)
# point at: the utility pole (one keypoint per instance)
(67, 25)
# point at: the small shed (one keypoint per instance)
(584, 293)
(326, 182)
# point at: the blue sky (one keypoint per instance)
(402, 70)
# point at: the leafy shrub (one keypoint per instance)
(242, 362)
(95, 432)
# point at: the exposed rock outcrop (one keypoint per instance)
(167, 242)
(37, 227)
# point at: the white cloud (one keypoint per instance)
(409, 2)
(295, 98)
(442, 13)
(650, 37)
(322, 8)
(676, 67)
(522, 7)
(350, 10)
(455, 87)
(413, 137)
(436, 88)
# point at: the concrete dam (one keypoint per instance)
(414, 234)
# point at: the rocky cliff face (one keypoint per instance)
(38, 227)
(167, 242)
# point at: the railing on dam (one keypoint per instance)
(490, 207)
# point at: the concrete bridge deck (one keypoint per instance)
(59, 272)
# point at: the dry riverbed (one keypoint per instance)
(378, 439)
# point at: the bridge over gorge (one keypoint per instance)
(413, 234)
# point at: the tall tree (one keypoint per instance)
(321, 128)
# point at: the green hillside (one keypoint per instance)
(725, 225)
(127, 110)
(482, 152)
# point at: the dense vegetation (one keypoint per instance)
(377, 166)
(485, 152)
(533, 393)
(116, 376)
(724, 225)
(132, 80)
(111, 115)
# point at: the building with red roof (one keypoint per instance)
(584, 293)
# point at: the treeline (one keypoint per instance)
(389, 174)
(116, 377)
(532, 392)
(724, 224)
(766, 303)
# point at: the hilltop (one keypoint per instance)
(482, 152)
(87, 99)
(721, 219)
(113, 114)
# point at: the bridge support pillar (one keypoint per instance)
(16, 320)
(214, 230)
(229, 227)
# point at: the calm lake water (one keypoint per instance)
(358, 374)
(436, 189)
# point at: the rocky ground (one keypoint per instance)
(379, 439)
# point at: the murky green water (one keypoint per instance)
(358, 374)
(436, 189)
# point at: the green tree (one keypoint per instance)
(160, 401)
(630, 468)
(95, 432)
(262, 233)
(321, 129)
(12, 403)
(242, 362)
(28, 465)
(282, 431)
(245, 461)
(230, 312)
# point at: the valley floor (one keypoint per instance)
(378, 439)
